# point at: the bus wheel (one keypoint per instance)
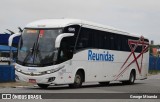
(43, 86)
(77, 81)
(131, 79)
(104, 83)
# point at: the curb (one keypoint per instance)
(15, 85)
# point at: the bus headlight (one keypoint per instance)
(51, 71)
(55, 70)
(18, 70)
(48, 72)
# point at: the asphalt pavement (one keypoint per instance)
(150, 85)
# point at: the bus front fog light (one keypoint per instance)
(16, 77)
(51, 79)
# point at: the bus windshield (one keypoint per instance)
(37, 46)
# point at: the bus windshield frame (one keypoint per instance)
(37, 47)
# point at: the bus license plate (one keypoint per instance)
(32, 80)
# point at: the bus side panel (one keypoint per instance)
(118, 69)
(92, 68)
(145, 66)
(140, 65)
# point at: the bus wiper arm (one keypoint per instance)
(30, 51)
(38, 52)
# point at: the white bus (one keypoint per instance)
(72, 51)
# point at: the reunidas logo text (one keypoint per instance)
(105, 56)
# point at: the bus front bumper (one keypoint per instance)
(41, 79)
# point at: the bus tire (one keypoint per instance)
(131, 79)
(43, 86)
(77, 80)
(104, 83)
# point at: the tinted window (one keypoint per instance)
(90, 38)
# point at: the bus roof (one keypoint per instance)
(57, 23)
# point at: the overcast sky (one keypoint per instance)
(140, 17)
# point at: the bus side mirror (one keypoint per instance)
(10, 40)
(60, 37)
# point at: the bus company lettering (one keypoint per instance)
(105, 56)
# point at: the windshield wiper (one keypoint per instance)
(37, 52)
(29, 53)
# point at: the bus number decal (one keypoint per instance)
(71, 29)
